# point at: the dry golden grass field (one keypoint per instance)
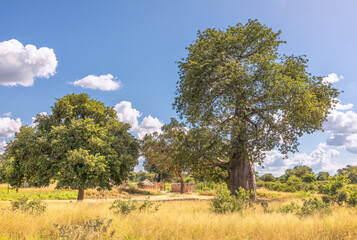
(181, 220)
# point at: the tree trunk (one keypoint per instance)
(80, 194)
(242, 174)
(17, 189)
(182, 184)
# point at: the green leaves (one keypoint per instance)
(165, 150)
(235, 84)
(226, 203)
(80, 145)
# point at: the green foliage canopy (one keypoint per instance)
(235, 84)
(80, 145)
(164, 150)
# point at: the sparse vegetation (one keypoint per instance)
(35, 206)
(182, 220)
(225, 202)
(127, 205)
(92, 229)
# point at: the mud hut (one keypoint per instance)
(187, 187)
(146, 184)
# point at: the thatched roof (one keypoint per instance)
(145, 183)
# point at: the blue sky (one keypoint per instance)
(138, 42)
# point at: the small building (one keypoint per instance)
(146, 184)
(187, 187)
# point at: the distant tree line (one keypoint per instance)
(302, 178)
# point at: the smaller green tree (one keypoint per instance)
(336, 189)
(164, 150)
(21, 159)
(80, 145)
(322, 176)
(309, 178)
(268, 178)
(350, 172)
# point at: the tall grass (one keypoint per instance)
(181, 220)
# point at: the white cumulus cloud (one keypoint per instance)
(342, 107)
(148, 125)
(20, 64)
(347, 141)
(332, 78)
(140, 166)
(9, 126)
(127, 114)
(341, 122)
(321, 159)
(2, 147)
(8, 114)
(343, 127)
(102, 82)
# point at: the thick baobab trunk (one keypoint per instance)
(241, 170)
(80, 194)
(242, 174)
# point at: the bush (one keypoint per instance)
(23, 204)
(293, 181)
(225, 202)
(266, 208)
(314, 206)
(336, 190)
(126, 205)
(93, 229)
(289, 208)
(268, 178)
(309, 207)
(352, 200)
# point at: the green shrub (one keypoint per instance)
(266, 208)
(352, 200)
(308, 178)
(35, 206)
(314, 206)
(337, 190)
(289, 208)
(126, 205)
(268, 178)
(309, 207)
(225, 202)
(93, 229)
